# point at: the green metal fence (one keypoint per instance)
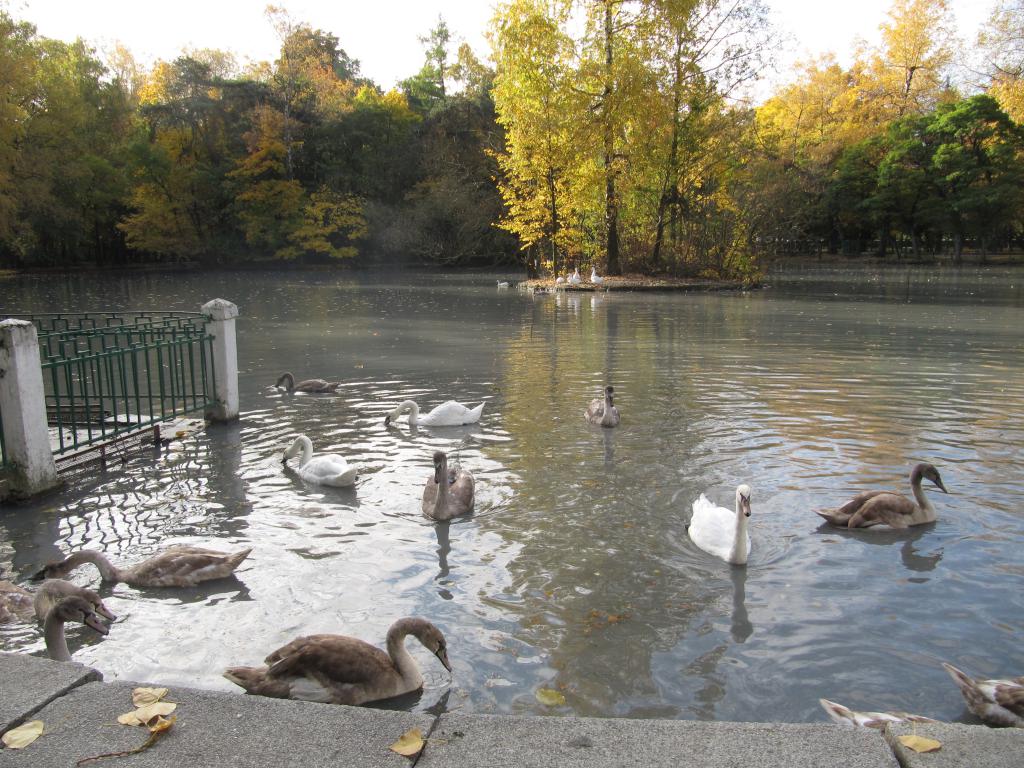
(110, 374)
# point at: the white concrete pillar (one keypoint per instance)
(23, 405)
(220, 324)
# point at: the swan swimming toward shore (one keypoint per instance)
(721, 532)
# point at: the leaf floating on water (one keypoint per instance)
(549, 697)
(143, 715)
(411, 743)
(920, 743)
(143, 696)
(23, 735)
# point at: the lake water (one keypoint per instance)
(576, 572)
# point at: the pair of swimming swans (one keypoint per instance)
(55, 603)
(312, 386)
(337, 669)
(998, 702)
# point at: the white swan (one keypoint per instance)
(720, 532)
(559, 280)
(326, 469)
(449, 414)
(574, 278)
(594, 277)
(503, 283)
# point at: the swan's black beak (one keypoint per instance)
(442, 655)
(387, 420)
(103, 611)
(938, 482)
(93, 621)
(46, 572)
(745, 506)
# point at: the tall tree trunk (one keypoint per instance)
(611, 214)
(670, 181)
(554, 222)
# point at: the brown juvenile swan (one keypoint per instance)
(997, 702)
(15, 603)
(176, 566)
(335, 669)
(887, 507)
(447, 494)
(603, 412)
(307, 385)
(72, 608)
(52, 591)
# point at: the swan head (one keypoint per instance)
(286, 377)
(929, 472)
(433, 641)
(743, 499)
(440, 462)
(78, 609)
(97, 605)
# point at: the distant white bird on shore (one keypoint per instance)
(559, 280)
(503, 283)
(574, 278)
(594, 278)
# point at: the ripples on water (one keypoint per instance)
(576, 571)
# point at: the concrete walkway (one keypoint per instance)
(80, 716)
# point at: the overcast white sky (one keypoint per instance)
(382, 35)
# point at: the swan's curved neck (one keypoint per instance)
(307, 450)
(412, 408)
(53, 633)
(915, 485)
(400, 657)
(107, 570)
(739, 552)
(289, 381)
(441, 499)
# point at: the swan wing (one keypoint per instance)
(328, 469)
(452, 414)
(184, 566)
(462, 492)
(595, 410)
(330, 658)
(884, 508)
(841, 515)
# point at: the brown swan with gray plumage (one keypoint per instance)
(448, 493)
(603, 412)
(888, 507)
(177, 566)
(72, 608)
(336, 669)
(314, 386)
(18, 604)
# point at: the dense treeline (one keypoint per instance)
(609, 132)
(194, 161)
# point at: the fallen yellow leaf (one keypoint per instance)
(143, 715)
(411, 743)
(920, 743)
(23, 735)
(143, 696)
(549, 697)
(162, 725)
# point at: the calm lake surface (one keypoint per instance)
(576, 572)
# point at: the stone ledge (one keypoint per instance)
(963, 746)
(29, 683)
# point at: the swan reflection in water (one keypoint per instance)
(740, 628)
(912, 559)
(442, 530)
